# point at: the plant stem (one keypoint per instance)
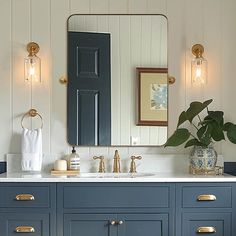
(199, 118)
(195, 126)
(193, 136)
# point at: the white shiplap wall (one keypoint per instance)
(210, 22)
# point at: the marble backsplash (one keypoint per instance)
(175, 163)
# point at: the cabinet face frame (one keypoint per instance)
(173, 216)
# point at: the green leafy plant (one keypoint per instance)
(205, 131)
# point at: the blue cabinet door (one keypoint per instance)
(10, 223)
(89, 225)
(143, 225)
(124, 225)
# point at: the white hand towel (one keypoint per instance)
(31, 148)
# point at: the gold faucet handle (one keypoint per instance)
(136, 157)
(133, 164)
(101, 168)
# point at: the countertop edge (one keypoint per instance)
(156, 178)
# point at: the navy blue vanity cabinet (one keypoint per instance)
(205, 208)
(27, 209)
(128, 209)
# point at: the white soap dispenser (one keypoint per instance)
(74, 160)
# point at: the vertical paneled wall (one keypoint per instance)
(210, 22)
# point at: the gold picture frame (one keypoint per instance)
(152, 96)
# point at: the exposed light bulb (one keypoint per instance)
(32, 64)
(198, 65)
(199, 71)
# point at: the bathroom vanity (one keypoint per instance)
(158, 205)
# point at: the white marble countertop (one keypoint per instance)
(95, 177)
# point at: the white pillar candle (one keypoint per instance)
(60, 165)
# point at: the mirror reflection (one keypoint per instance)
(104, 54)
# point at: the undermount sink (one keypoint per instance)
(114, 175)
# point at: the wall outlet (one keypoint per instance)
(135, 141)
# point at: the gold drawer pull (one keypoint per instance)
(203, 230)
(24, 197)
(206, 197)
(24, 229)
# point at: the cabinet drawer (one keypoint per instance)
(24, 196)
(116, 196)
(207, 196)
(24, 224)
(217, 224)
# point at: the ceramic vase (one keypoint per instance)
(202, 160)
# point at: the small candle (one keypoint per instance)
(60, 165)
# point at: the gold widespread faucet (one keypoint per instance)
(133, 164)
(101, 168)
(116, 163)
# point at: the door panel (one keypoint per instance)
(143, 225)
(89, 89)
(89, 225)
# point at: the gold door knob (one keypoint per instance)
(24, 229)
(206, 229)
(206, 197)
(24, 197)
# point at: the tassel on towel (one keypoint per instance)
(31, 147)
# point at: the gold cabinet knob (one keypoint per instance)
(206, 229)
(206, 197)
(113, 222)
(24, 229)
(116, 222)
(24, 197)
(120, 222)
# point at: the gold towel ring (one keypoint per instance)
(32, 113)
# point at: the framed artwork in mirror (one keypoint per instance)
(152, 96)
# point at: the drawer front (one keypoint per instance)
(217, 224)
(116, 197)
(24, 224)
(207, 196)
(24, 196)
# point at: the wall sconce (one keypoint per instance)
(32, 63)
(198, 65)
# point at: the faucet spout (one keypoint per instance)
(116, 163)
